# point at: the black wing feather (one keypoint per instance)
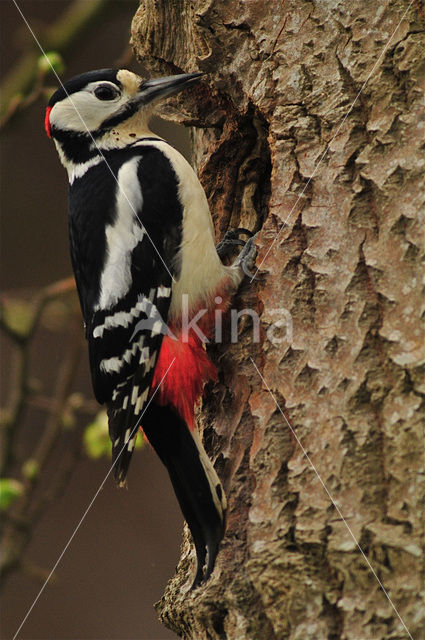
(123, 346)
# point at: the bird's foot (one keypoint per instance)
(246, 258)
(232, 239)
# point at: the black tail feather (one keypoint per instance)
(195, 482)
(123, 430)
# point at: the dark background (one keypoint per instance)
(117, 565)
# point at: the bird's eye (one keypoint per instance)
(106, 92)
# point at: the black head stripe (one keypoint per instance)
(126, 111)
(79, 82)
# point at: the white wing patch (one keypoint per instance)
(122, 237)
(164, 292)
(131, 443)
(141, 401)
(76, 171)
(116, 363)
(144, 355)
(125, 318)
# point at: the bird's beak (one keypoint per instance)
(160, 88)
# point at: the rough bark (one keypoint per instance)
(283, 83)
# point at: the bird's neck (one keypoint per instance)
(78, 148)
(124, 136)
(78, 153)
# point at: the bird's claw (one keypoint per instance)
(246, 258)
(226, 247)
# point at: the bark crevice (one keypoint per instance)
(341, 236)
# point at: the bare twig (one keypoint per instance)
(20, 387)
(24, 78)
(24, 514)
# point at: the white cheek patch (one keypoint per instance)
(82, 111)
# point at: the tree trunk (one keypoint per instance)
(309, 130)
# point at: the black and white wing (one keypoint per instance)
(128, 320)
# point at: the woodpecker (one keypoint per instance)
(143, 254)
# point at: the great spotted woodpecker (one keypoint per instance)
(143, 254)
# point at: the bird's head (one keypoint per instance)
(108, 108)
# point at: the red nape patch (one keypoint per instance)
(182, 386)
(47, 122)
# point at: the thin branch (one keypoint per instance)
(29, 508)
(21, 388)
(60, 36)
